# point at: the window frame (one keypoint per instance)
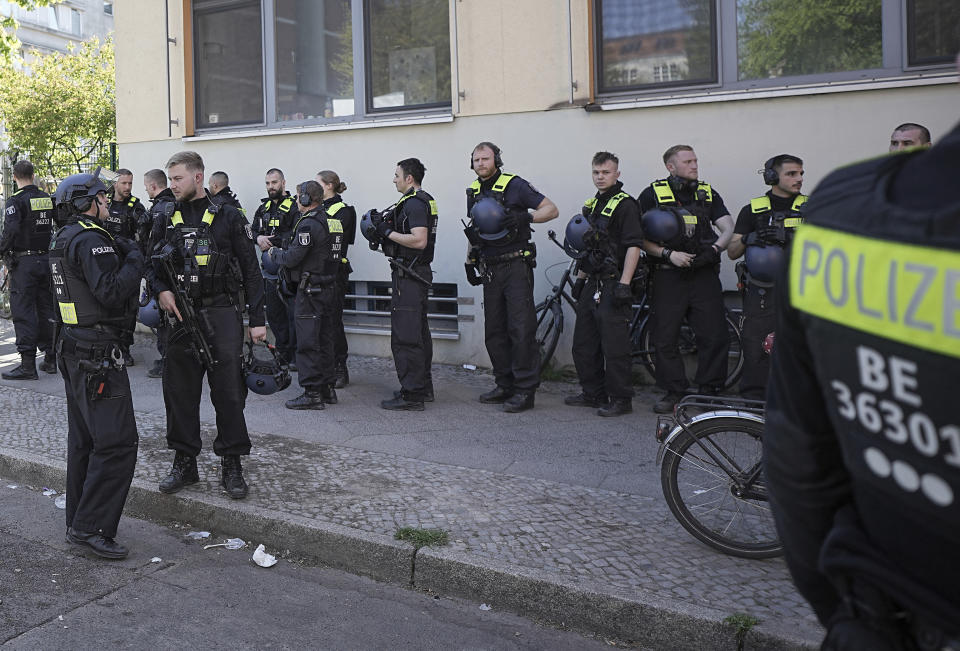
(361, 81)
(895, 64)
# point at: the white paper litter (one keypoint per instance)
(470, 367)
(262, 558)
(484, 607)
(48, 492)
(155, 559)
(232, 543)
(198, 535)
(12, 486)
(60, 502)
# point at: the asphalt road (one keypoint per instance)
(57, 596)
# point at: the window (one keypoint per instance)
(108, 8)
(296, 62)
(367, 309)
(656, 45)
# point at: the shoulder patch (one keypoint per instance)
(248, 231)
(304, 238)
(11, 210)
(101, 250)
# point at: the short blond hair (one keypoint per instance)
(189, 159)
(673, 151)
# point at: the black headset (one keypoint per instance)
(497, 161)
(770, 175)
(678, 184)
(302, 195)
(82, 204)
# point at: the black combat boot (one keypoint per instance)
(617, 407)
(49, 363)
(231, 477)
(26, 371)
(328, 393)
(585, 400)
(497, 396)
(401, 403)
(103, 546)
(183, 473)
(309, 399)
(427, 395)
(156, 370)
(343, 377)
(519, 402)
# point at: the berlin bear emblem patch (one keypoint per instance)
(304, 238)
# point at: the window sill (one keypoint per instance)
(256, 132)
(619, 103)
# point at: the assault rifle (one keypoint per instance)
(190, 316)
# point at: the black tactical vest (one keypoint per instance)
(401, 225)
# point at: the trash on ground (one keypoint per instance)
(48, 492)
(60, 502)
(262, 558)
(60, 618)
(484, 607)
(470, 367)
(155, 559)
(232, 543)
(12, 486)
(198, 535)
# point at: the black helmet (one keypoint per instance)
(764, 262)
(367, 229)
(149, 314)
(576, 237)
(661, 225)
(265, 376)
(77, 192)
(487, 215)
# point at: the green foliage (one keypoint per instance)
(9, 43)
(422, 537)
(800, 37)
(741, 623)
(61, 108)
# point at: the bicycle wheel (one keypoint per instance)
(643, 350)
(549, 327)
(4, 292)
(699, 478)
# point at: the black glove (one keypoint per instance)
(383, 228)
(622, 294)
(134, 257)
(751, 239)
(473, 275)
(772, 234)
(514, 219)
(124, 245)
(578, 288)
(706, 257)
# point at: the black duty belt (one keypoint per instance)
(73, 347)
(506, 257)
(21, 254)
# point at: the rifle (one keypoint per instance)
(396, 264)
(191, 317)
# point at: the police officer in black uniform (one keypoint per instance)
(95, 278)
(862, 439)
(27, 226)
(611, 238)
(220, 192)
(764, 228)
(155, 185)
(686, 281)
(510, 321)
(214, 246)
(333, 187)
(408, 231)
(272, 225)
(128, 219)
(309, 264)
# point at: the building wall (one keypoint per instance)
(551, 148)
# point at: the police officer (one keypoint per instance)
(128, 219)
(27, 227)
(272, 225)
(155, 185)
(310, 264)
(764, 228)
(510, 321)
(96, 278)
(408, 233)
(686, 281)
(862, 438)
(220, 192)
(909, 134)
(610, 238)
(333, 187)
(214, 246)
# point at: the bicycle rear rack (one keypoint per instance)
(694, 405)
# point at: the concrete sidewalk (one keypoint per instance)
(555, 514)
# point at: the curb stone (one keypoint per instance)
(638, 617)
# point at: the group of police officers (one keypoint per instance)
(198, 253)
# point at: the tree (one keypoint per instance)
(9, 43)
(61, 108)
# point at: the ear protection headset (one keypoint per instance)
(497, 161)
(303, 196)
(82, 204)
(770, 175)
(678, 184)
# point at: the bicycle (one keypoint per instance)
(550, 321)
(712, 477)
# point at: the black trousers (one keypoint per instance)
(163, 336)
(339, 336)
(314, 317)
(31, 304)
(410, 338)
(697, 295)
(759, 312)
(510, 326)
(182, 378)
(601, 342)
(280, 317)
(101, 448)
